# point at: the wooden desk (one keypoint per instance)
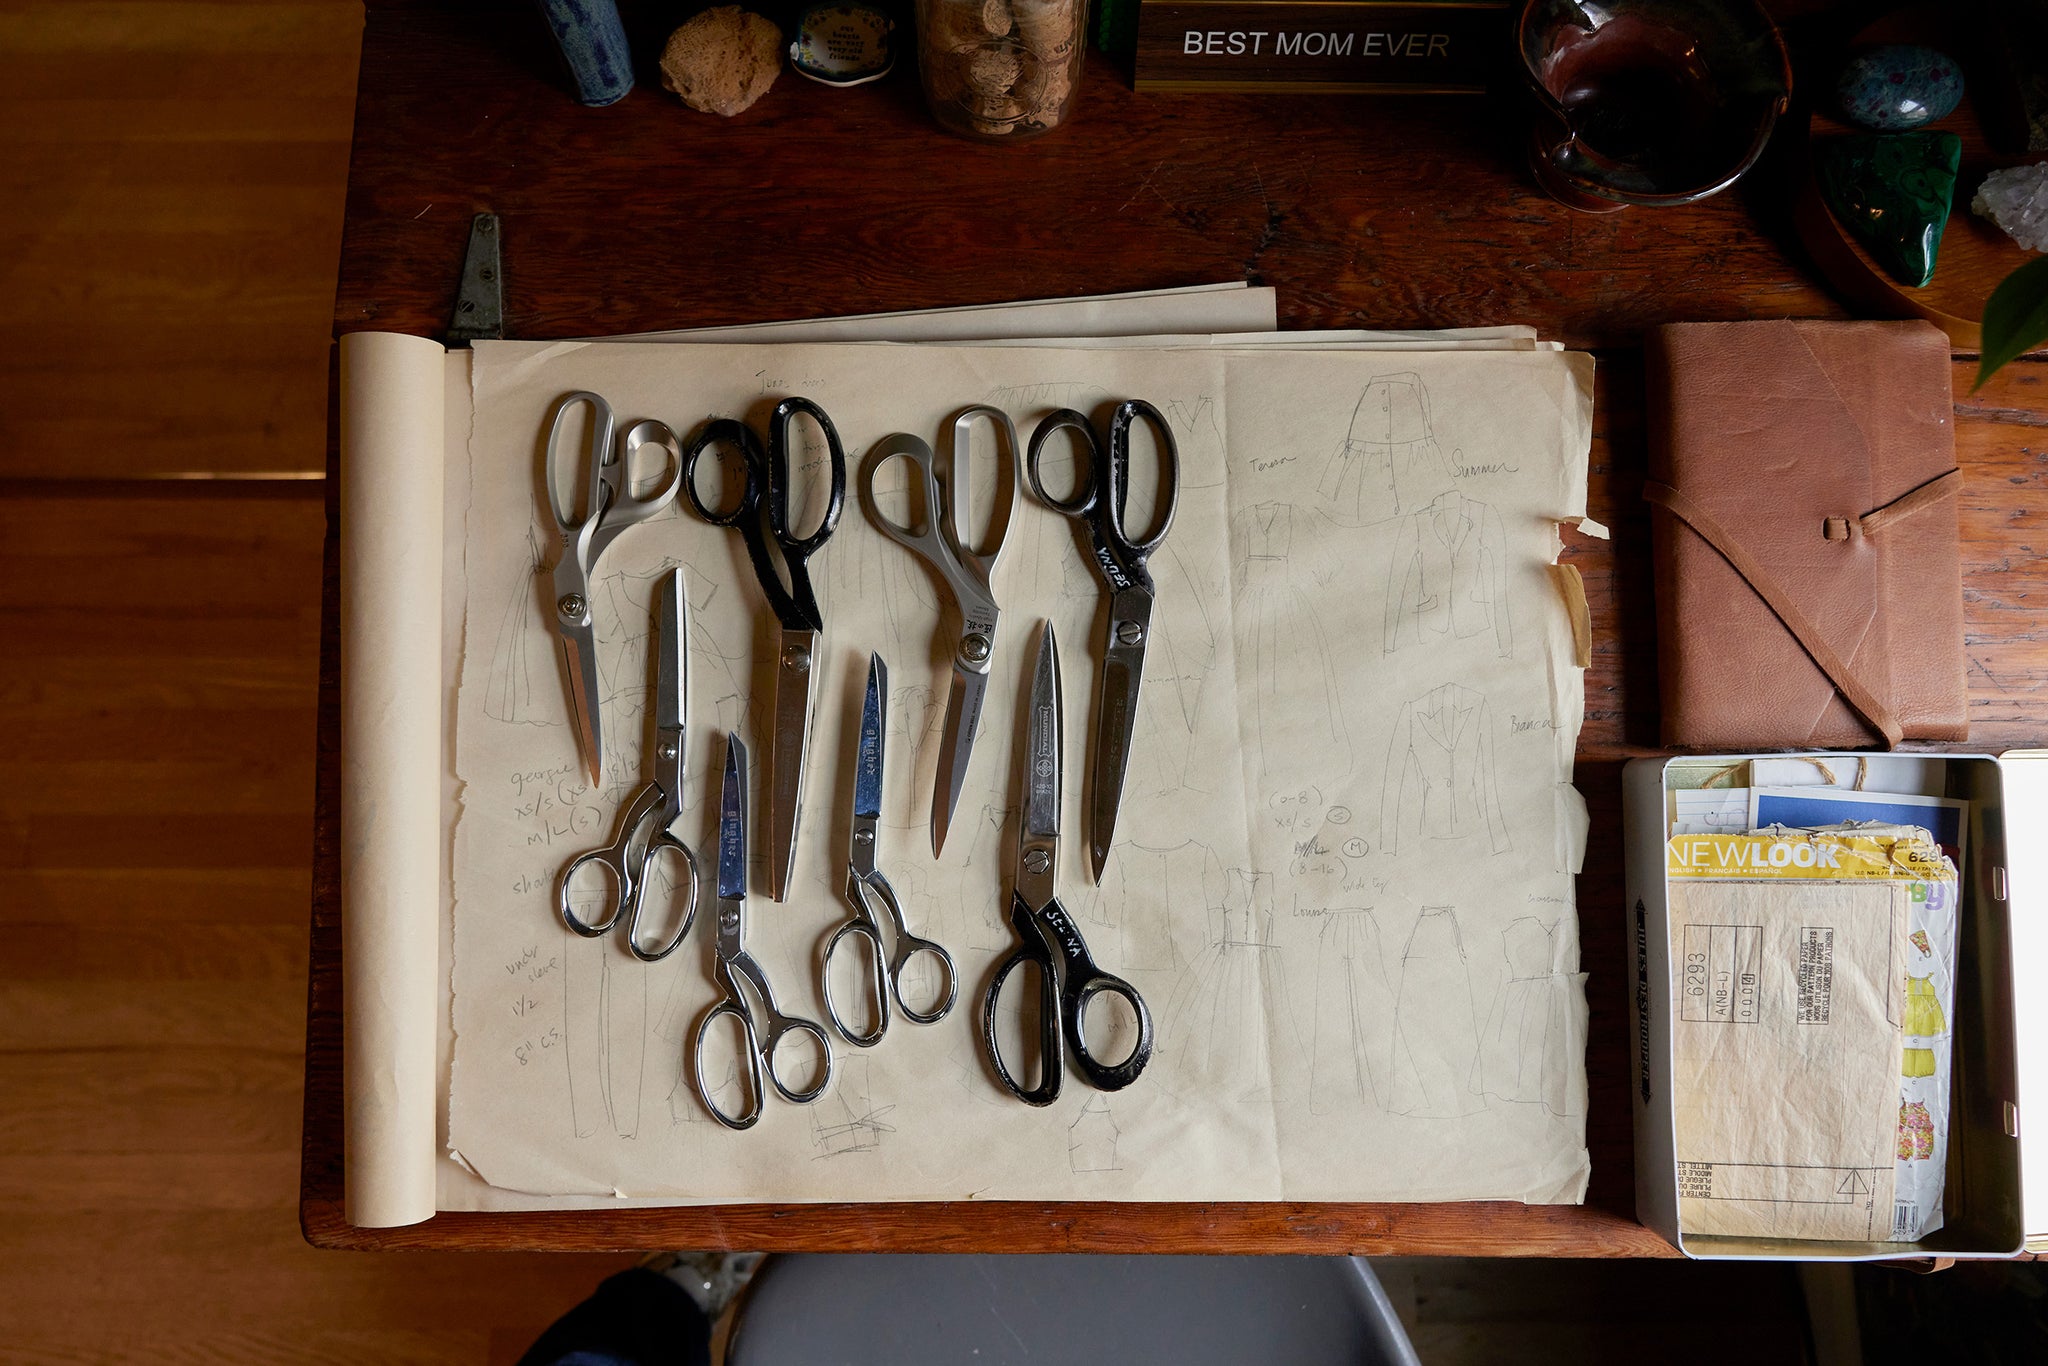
(1364, 212)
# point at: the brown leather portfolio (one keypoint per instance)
(1804, 531)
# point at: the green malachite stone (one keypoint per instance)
(1893, 191)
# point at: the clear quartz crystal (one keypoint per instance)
(2016, 199)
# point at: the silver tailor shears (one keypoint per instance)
(764, 501)
(733, 965)
(1051, 941)
(867, 890)
(644, 834)
(1104, 489)
(940, 495)
(609, 505)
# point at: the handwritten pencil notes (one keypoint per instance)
(1810, 1041)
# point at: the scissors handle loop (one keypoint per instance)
(762, 1041)
(756, 1091)
(1068, 981)
(1051, 1046)
(781, 459)
(873, 973)
(746, 508)
(596, 490)
(1103, 490)
(619, 865)
(659, 841)
(764, 495)
(1120, 424)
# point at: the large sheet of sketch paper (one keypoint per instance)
(1343, 876)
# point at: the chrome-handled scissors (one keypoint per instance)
(609, 505)
(764, 498)
(939, 496)
(867, 888)
(1068, 978)
(644, 832)
(1103, 490)
(733, 965)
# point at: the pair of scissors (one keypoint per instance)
(1068, 978)
(644, 831)
(732, 965)
(1103, 491)
(764, 498)
(934, 535)
(867, 889)
(609, 505)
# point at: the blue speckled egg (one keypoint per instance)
(1894, 88)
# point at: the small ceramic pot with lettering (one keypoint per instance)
(1001, 69)
(1649, 101)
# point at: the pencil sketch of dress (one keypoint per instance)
(1150, 891)
(1435, 1038)
(1439, 781)
(1178, 663)
(1280, 642)
(526, 656)
(1448, 576)
(917, 724)
(1389, 461)
(1528, 1050)
(1217, 1041)
(1354, 1019)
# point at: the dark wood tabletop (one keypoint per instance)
(1363, 211)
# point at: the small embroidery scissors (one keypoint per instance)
(1103, 491)
(608, 507)
(644, 827)
(764, 497)
(732, 964)
(1068, 978)
(867, 888)
(934, 535)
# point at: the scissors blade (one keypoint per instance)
(963, 722)
(1123, 669)
(672, 657)
(867, 767)
(1042, 745)
(732, 823)
(795, 664)
(579, 658)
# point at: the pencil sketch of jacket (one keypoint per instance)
(1439, 777)
(1449, 576)
(1390, 460)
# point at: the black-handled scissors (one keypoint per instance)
(762, 511)
(1068, 978)
(1103, 491)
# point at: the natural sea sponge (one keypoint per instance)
(722, 60)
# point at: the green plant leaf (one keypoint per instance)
(2015, 318)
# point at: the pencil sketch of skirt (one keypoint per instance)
(1389, 460)
(1435, 1038)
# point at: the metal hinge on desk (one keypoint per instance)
(480, 303)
